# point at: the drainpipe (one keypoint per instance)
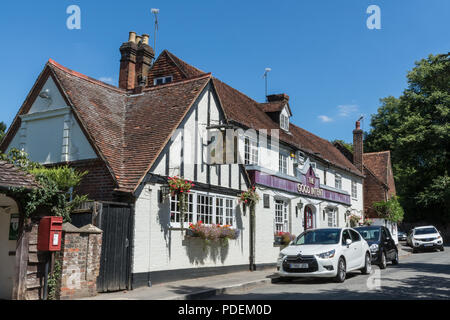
(252, 237)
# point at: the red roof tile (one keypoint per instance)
(11, 176)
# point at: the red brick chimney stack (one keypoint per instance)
(127, 74)
(136, 60)
(144, 58)
(358, 148)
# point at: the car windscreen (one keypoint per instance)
(321, 236)
(425, 231)
(370, 234)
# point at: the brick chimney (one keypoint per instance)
(358, 148)
(127, 74)
(277, 97)
(144, 58)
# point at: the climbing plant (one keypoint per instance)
(55, 193)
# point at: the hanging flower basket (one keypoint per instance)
(249, 198)
(283, 238)
(181, 188)
(354, 220)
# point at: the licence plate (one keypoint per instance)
(299, 266)
(428, 245)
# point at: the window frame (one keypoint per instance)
(228, 206)
(283, 163)
(164, 80)
(337, 178)
(282, 221)
(251, 151)
(354, 190)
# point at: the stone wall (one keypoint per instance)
(80, 261)
(35, 270)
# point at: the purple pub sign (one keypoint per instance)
(309, 186)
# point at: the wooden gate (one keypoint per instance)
(116, 221)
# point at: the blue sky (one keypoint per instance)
(321, 52)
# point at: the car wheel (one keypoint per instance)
(415, 250)
(442, 248)
(395, 260)
(383, 263)
(368, 265)
(341, 271)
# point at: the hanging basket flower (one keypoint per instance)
(368, 222)
(214, 232)
(354, 220)
(180, 188)
(249, 198)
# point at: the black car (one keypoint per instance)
(382, 245)
(401, 236)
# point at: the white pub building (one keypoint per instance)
(159, 123)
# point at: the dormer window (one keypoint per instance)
(162, 80)
(284, 122)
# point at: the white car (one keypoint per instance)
(330, 252)
(427, 237)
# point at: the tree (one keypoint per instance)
(2, 130)
(348, 146)
(416, 129)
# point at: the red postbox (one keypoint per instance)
(49, 234)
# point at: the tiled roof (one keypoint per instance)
(244, 110)
(275, 106)
(129, 130)
(11, 176)
(378, 164)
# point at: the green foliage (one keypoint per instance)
(416, 129)
(55, 194)
(390, 210)
(348, 146)
(53, 279)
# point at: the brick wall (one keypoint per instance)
(34, 283)
(373, 192)
(98, 184)
(80, 261)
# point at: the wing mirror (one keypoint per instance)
(348, 242)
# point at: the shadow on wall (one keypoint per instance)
(164, 222)
(200, 251)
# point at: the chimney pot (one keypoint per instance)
(358, 125)
(138, 39)
(132, 37)
(145, 38)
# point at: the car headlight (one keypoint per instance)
(374, 248)
(327, 255)
(281, 256)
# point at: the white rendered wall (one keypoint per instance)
(49, 133)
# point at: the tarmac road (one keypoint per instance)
(423, 275)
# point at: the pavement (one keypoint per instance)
(206, 287)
